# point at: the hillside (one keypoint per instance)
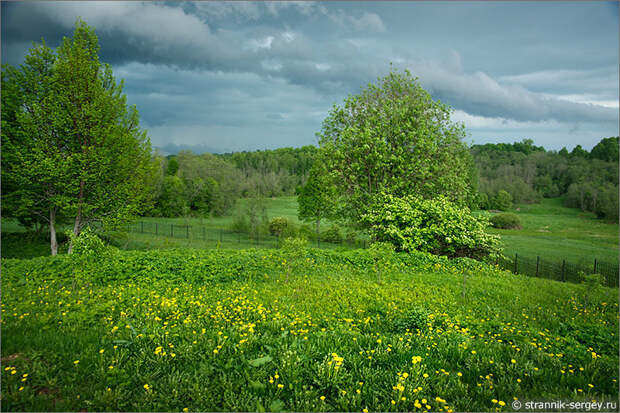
(224, 330)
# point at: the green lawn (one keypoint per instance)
(554, 232)
(230, 331)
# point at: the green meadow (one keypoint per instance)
(225, 330)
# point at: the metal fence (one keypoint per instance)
(535, 267)
(559, 270)
(224, 236)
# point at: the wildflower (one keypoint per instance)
(280, 386)
(146, 387)
(76, 362)
(501, 403)
(322, 398)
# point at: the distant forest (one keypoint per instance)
(191, 184)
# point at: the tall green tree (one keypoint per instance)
(74, 138)
(394, 137)
(37, 170)
(317, 198)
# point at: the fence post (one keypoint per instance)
(594, 266)
(537, 263)
(220, 236)
(516, 262)
(156, 228)
(171, 230)
(187, 231)
(203, 233)
(563, 272)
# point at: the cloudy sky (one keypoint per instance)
(224, 76)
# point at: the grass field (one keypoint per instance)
(549, 230)
(223, 330)
(555, 232)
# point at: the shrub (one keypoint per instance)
(506, 221)
(332, 234)
(502, 201)
(306, 232)
(437, 226)
(278, 225)
(240, 223)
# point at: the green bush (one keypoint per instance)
(502, 201)
(332, 234)
(506, 221)
(306, 232)
(278, 225)
(437, 226)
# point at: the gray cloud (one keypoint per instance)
(235, 64)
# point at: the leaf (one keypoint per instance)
(255, 385)
(260, 361)
(259, 407)
(276, 405)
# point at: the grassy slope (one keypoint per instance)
(206, 336)
(556, 232)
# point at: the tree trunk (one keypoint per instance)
(53, 241)
(318, 233)
(78, 218)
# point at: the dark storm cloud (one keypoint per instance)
(270, 67)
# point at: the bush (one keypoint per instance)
(431, 225)
(502, 201)
(240, 223)
(278, 225)
(506, 221)
(332, 234)
(306, 232)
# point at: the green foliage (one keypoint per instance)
(437, 226)
(416, 319)
(394, 138)
(72, 148)
(606, 150)
(502, 201)
(217, 331)
(505, 221)
(277, 225)
(530, 173)
(317, 198)
(332, 234)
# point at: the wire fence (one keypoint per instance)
(559, 270)
(220, 236)
(518, 264)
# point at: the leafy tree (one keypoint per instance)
(578, 151)
(316, 200)
(74, 147)
(110, 150)
(394, 137)
(606, 150)
(37, 170)
(172, 167)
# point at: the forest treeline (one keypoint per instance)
(528, 173)
(520, 172)
(191, 184)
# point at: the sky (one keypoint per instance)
(233, 76)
